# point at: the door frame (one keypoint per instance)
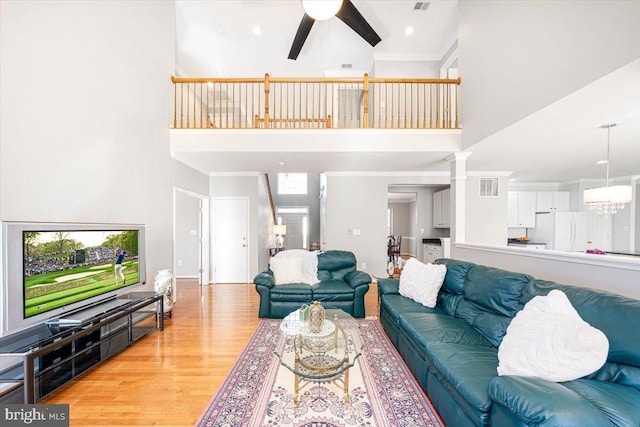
(213, 235)
(307, 213)
(203, 237)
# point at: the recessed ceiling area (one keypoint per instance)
(217, 39)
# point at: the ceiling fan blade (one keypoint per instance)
(352, 17)
(301, 36)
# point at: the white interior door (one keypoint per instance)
(231, 231)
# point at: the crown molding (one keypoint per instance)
(389, 173)
(224, 174)
(406, 57)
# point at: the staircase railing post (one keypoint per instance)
(266, 100)
(365, 117)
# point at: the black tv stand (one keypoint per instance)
(38, 360)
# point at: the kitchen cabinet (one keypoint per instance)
(435, 248)
(521, 209)
(431, 252)
(552, 201)
(441, 210)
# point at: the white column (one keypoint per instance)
(458, 195)
(633, 208)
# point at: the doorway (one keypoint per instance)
(190, 236)
(297, 221)
(231, 243)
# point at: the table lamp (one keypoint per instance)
(279, 230)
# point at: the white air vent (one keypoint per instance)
(421, 5)
(346, 65)
(489, 187)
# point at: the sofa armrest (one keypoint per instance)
(357, 278)
(388, 286)
(265, 279)
(535, 401)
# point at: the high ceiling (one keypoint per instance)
(559, 143)
(216, 38)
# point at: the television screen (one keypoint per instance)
(66, 266)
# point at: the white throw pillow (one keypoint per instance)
(421, 282)
(287, 270)
(549, 339)
(308, 260)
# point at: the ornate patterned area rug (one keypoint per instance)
(259, 391)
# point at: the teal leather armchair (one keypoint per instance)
(341, 286)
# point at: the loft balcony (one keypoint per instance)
(319, 103)
(222, 124)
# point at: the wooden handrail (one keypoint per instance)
(307, 80)
(315, 103)
(270, 194)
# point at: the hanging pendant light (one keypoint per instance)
(607, 200)
(321, 9)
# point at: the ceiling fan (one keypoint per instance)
(346, 12)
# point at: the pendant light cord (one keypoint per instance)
(608, 136)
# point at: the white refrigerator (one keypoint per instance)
(561, 231)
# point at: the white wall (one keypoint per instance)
(486, 217)
(407, 69)
(401, 218)
(187, 178)
(519, 56)
(84, 108)
(187, 235)
(359, 201)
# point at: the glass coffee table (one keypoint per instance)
(324, 356)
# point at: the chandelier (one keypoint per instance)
(607, 200)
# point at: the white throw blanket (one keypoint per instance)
(309, 261)
(549, 339)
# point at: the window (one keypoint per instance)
(292, 183)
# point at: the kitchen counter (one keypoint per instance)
(524, 242)
(529, 244)
(625, 253)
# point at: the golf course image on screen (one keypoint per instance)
(64, 267)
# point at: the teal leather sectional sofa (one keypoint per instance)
(452, 350)
(341, 286)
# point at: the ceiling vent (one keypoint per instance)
(421, 5)
(346, 66)
(489, 187)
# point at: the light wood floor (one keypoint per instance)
(167, 378)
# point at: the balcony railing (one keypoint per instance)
(320, 103)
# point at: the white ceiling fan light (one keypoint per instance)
(321, 10)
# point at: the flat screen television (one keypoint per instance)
(54, 269)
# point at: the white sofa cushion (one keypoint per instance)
(549, 339)
(421, 282)
(287, 270)
(309, 263)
